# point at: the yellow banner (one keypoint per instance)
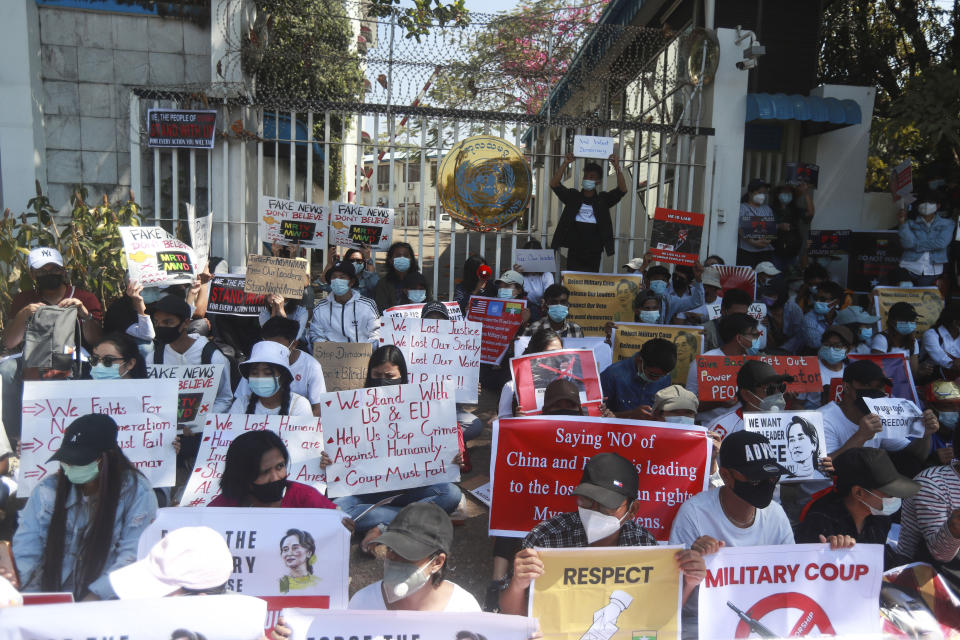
(927, 302)
(599, 298)
(614, 593)
(630, 336)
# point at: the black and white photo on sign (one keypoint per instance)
(797, 439)
(900, 418)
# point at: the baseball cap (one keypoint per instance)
(675, 398)
(755, 373)
(711, 277)
(756, 183)
(511, 277)
(174, 305)
(345, 267)
(559, 390)
(608, 479)
(871, 468)
(86, 438)
(419, 530)
(194, 558)
(750, 453)
(841, 332)
(854, 314)
(865, 372)
(41, 256)
(903, 310)
(634, 263)
(767, 269)
(435, 306)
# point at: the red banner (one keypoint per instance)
(538, 462)
(717, 375)
(532, 374)
(500, 318)
(676, 236)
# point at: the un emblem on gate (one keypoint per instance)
(484, 183)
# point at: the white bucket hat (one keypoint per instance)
(269, 352)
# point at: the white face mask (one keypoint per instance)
(759, 198)
(597, 525)
(927, 208)
(889, 505)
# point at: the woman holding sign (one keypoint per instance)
(268, 377)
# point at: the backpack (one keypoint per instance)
(51, 342)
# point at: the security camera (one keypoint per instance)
(749, 63)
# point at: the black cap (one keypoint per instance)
(903, 310)
(871, 468)
(86, 438)
(435, 306)
(755, 373)
(607, 479)
(559, 390)
(419, 530)
(865, 372)
(750, 453)
(757, 183)
(173, 305)
(344, 266)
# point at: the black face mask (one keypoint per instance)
(867, 393)
(166, 335)
(756, 495)
(49, 281)
(385, 382)
(269, 492)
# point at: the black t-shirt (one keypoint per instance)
(828, 516)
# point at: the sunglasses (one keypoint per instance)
(106, 360)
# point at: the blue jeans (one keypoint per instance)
(445, 495)
(470, 424)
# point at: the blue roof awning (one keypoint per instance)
(282, 133)
(779, 106)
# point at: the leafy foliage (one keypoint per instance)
(419, 19)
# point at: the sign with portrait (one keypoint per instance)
(676, 236)
(533, 373)
(796, 438)
(629, 337)
(599, 298)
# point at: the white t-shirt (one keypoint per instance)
(702, 515)
(880, 343)
(307, 380)
(535, 284)
(812, 399)
(299, 406)
(837, 430)
(505, 407)
(586, 214)
(370, 598)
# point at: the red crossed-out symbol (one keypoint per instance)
(812, 614)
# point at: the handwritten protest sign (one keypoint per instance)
(608, 592)
(599, 298)
(791, 590)
(414, 310)
(291, 222)
(145, 412)
(629, 337)
(227, 297)
(390, 438)
(198, 386)
(926, 301)
(676, 236)
(536, 260)
(154, 257)
(438, 351)
(538, 461)
(599, 147)
(259, 540)
(500, 319)
(737, 277)
(900, 418)
(717, 375)
(344, 363)
(283, 276)
(201, 230)
(533, 373)
(797, 439)
(895, 367)
(352, 225)
(406, 625)
(303, 437)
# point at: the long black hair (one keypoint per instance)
(540, 339)
(305, 540)
(242, 465)
(129, 350)
(284, 378)
(387, 353)
(470, 277)
(392, 274)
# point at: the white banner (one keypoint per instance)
(272, 548)
(599, 147)
(413, 311)
(293, 223)
(145, 412)
(791, 590)
(198, 384)
(439, 351)
(303, 437)
(797, 439)
(352, 225)
(154, 257)
(901, 418)
(406, 625)
(201, 230)
(536, 260)
(390, 438)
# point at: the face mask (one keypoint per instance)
(49, 281)
(832, 355)
(759, 198)
(867, 393)
(785, 198)
(906, 284)
(400, 579)
(151, 295)
(598, 525)
(927, 208)
(659, 287)
(166, 335)
(768, 301)
(269, 491)
(821, 308)
(813, 289)
(101, 371)
(773, 402)
(558, 312)
(264, 387)
(866, 333)
(385, 382)
(889, 505)
(417, 295)
(679, 419)
(339, 286)
(589, 185)
(755, 345)
(906, 328)
(81, 473)
(949, 419)
(650, 317)
(506, 292)
(756, 495)
(401, 263)
(358, 265)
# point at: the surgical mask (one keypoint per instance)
(906, 284)
(680, 419)
(339, 286)
(785, 198)
(948, 419)
(81, 473)
(151, 294)
(417, 295)
(264, 387)
(755, 346)
(773, 402)
(358, 265)
(659, 287)
(759, 198)
(889, 505)
(821, 308)
(597, 525)
(650, 317)
(385, 382)
(927, 208)
(558, 312)
(832, 355)
(400, 579)
(588, 185)
(49, 281)
(505, 292)
(101, 371)
(401, 263)
(269, 492)
(756, 495)
(866, 333)
(166, 335)
(906, 328)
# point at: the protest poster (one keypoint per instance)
(598, 147)
(903, 178)
(900, 418)
(599, 298)
(934, 605)
(533, 373)
(414, 311)
(201, 230)
(390, 438)
(676, 236)
(303, 437)
(198, 386)
(628, 337)
(536, 462)
(602, 352)
(224, 617)
(283, 276)
(796, 438)
(717, 375)
(352, 225)
(289, 222)
(926, 301)
(154, 257)
(438, 351)
(406, 625)
(145, 412)
(756, 227)
(260, 541)
(483, 493)
(801, 173)
(227, 297)
(791, 590)
(500, 320)
(872, 256)
(713, 308)
(614, 593)
(895, 367)
(181, 128)
(737, 277)
(536, 260)
(344, 363)
(830, 248)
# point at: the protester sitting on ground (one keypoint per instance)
(760, 389)
(757, 225)
(813, 276)
(545, 339)
(826, 304)
(471, 284)
(365, 269)
(943, 398)
(676, 405)
(733, 301)
(835, 345)
(711, 298)
(128, 314)
(899, 336)
(670, 304)
(740, 336)
(414, 289)
(630, 385)
(117, 356)
(925, 239)
(389, 290)
(276, 306)
(555, 307)
(84, 521)
(345, 316)
(534, 283)
(269, 380)
(646, 307)
(861, 325)
(784, 321)
(941, 342)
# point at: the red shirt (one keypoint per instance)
(89, 300)
(297, 496)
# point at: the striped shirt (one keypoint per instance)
(925, 515)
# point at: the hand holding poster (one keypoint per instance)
(500, 319)
(900, 418)
(895, 367)
(290, 222)
(399, 437)
(200, 231)
(198, 386)
(926, 301)
(598, 147)
(344, 363)
(352, 225)
(628, 337)
(737, 277)
(536, 260)
(599, 298)
(797, 439)
(717, 375)
(227, 297)
(414, 311)
(602, 352)
(283, 276)
(903, 178)
(533, 373)
(406, 625)
(154, 257)
(676, 236)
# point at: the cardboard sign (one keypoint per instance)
(599, 298)
(390, 438)
(536, 260)
(797, 439)
(872, 256)
(533, 373)
(406, 625)
(926, 301)
(901, 418)
(438, 351)
(737, 277)
(294, 223)
(301, 435)
(676, 236)
(538, 461)
(895, 367)
(352, 225)
(629, 337)
(791, 590)
(154, 257)
(414, 311)
(717, 375)
(344, 363)
(260, 540)
(145, 412)
(227, 297)
(500, 319)
(903, 178)
(181, 128)
(201, 230)
(283, 276)
(599, 147)
(801, 172)
(608, 592)
(198, 385)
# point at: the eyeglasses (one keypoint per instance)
(106, 360)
